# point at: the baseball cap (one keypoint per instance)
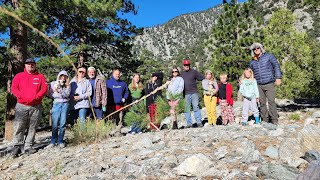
(30, 60)
(186, 62)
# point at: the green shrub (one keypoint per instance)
(295, 117)
(163, 108)
(137, 115)
(91, 131)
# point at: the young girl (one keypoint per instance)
(150, 101)
(225, 100)
(210, 87)
(59, 92)
(250, 92)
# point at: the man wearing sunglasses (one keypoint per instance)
(266, 70)
(29, 87)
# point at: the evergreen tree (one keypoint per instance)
(292, 51)
(236, 29)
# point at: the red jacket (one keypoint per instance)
(228, 94)
(29, 88)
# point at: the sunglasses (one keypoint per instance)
(175, 71)
(256, 48)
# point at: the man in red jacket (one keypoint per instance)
(29, 87)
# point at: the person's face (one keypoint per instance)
(154, 78)
(136, 78)
(223, 79)
(175, 72)
(257, 51)
(186, 67)
(81, 72)
(247, 74)
(30, 67)
(116, 75)
(63, 77)
(208, 76)
(91, 74)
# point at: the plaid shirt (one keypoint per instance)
(100, 91)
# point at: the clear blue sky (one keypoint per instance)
(155, 12)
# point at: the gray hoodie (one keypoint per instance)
(175, 87)
(84, 90)
(63, 93)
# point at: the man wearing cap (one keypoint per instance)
(99, 92)
(266, 70)
(29, 87)
(190, 77)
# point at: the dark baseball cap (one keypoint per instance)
(30, 60)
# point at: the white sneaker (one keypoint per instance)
(50, 146)
(62, 145)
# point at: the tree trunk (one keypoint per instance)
(18, 48)
(82, 55)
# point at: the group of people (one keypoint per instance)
(89, 94)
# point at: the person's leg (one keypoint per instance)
(63, 119)
(196, 109)
(98, 112)
(271, 95)
(56, 112)
(263, 103)
(245, 110)
(213, 103)
(223, 109)
(255, 110)
(74, 115)
(82, 114)
(230, 114)
(35, 116)
(20, 123)
(207, 103)
(188, 110)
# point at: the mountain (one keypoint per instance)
(185, 36)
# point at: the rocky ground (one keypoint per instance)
(263, 151)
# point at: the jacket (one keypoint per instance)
(117, 90)
(190, 81)
(84, 90)
(249, 89)
(266, 69)
(207, 90)
(63, 93)
(100, 92)
(152, 98)
(228, 94)
(175, 87)
(29, 88)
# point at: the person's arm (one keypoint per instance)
(104, 93)
(276, 66)
(199, 76)
(181, 85)
(43, 88)
(65, 93)
(241, 89)
(88, 91)
(52, 92)
(126, 92)
(15, 87)
(205, 85)
(215, 85)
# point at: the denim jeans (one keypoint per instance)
(59, 116)
(78, 113)
(192, 99)
(97, 112)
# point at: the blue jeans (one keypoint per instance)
(59, 116)
(78, 113)
(194, 100)
(97, 111)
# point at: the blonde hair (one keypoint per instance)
(243, 76)
(212, 76)
(224, 75)
(133, 84)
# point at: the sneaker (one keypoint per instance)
(50, 146)
(244, 123)
(16, 151)
(200, 125)
(30, 151)
(62, 145)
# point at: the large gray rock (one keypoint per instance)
(312, 172)
(278, 172)
(310, 136)
(316, 114)
(249, 153)
(290, 152)
(272, 152)
(221, 152)
(195, 165)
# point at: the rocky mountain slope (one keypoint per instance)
(262, 151)
(188, 33)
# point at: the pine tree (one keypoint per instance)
(293, 51)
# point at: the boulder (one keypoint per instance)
(278, 172)
(290, 152)
(195, 165)
(272, 152)
(310, 136)
(312, 172)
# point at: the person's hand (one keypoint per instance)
(123, 100)
(76, 98)
(104, 109)
(278, 82)
(258, 100)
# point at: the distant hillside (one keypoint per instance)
(185, 35)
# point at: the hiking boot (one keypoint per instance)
(16, 151)
(30, 151)
(175, 125)
(62, 145)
